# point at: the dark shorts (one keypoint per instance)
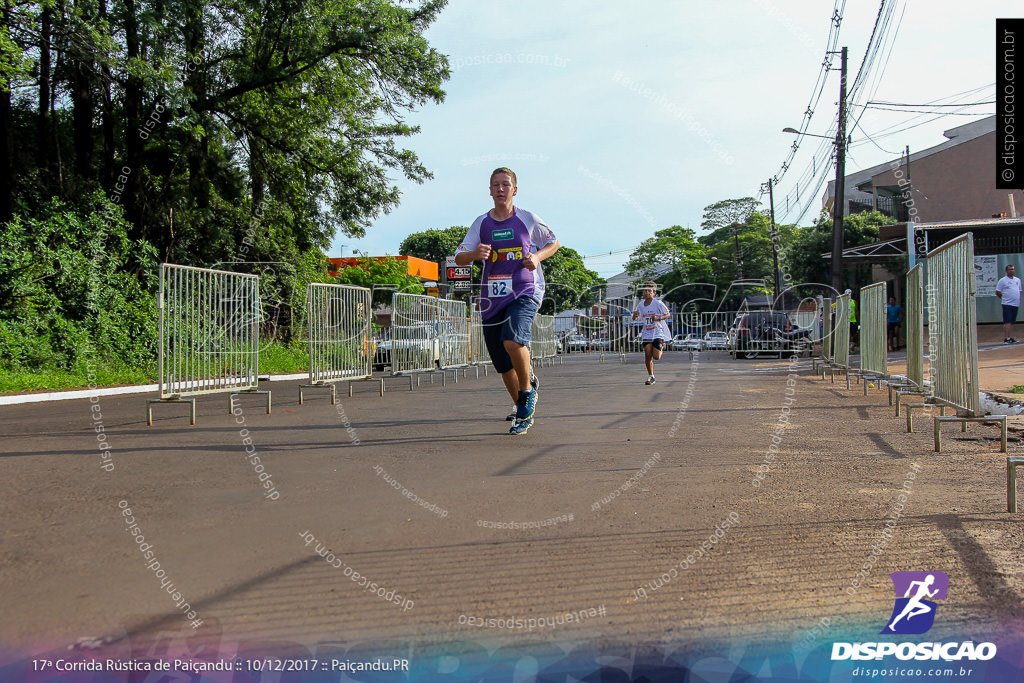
(1009, 314)
(514, 323)
(656, 343)
(893, 327)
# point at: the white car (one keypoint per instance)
(716, 340)
(687, 342)
(417, 345)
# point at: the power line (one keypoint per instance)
(898, 104)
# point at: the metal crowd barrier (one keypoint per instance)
(827, 335)
(543, 346)
(873, 353)
(340, 335)
(913, 327)
(453, 333)
(913, 324)
(208, 333)
(953, 336)
(415, 345)
(838, 339)
(478, 353)
(717, 321)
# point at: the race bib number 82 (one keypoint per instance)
(499, 286)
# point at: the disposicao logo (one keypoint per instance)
(914, 613)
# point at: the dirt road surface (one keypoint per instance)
(637, 510)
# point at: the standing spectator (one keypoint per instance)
(854, 327)
(894, 316)
(1008, 290)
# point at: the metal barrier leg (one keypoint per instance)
(1012, 461)
(151, 401)
(910, 415)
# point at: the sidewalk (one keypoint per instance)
(1000, 366)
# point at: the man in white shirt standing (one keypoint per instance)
(1008, 290)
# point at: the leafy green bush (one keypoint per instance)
(74, 286)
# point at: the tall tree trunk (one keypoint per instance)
(195, 82)
(257, 179)
(43, 136)
(107, 122)
(129, 175)
(6, 135)
(82, 102)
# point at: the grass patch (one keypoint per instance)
(275, 358)
(280, 359)
(1017, 389)
(20, 380)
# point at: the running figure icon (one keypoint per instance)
(915, 607)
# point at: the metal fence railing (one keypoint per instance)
(717, 321)
(873, 354)
(208, 335)
(542, 339)
(341, 345)
(478, 354)
(913, 324)
(827, 331)
(453, 333)
(952, 339)
(913, 328)
(841, 336)
(953, 336)
(415, 345)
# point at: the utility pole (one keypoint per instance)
(838, 208)
(775, 237)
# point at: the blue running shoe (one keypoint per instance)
(524, 412)
(520, 426)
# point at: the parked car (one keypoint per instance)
(765, 332)
(417, 344)
(716, 340)
(686, 342)
(576, 342)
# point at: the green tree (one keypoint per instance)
(206, 116)
(569, 283)
(727, 212)
(806, 255)
(434, 244)
(676, 260)
(383, 275)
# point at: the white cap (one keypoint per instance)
(849, 291)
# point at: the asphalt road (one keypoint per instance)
(635, 509)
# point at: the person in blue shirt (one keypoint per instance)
(894, 316)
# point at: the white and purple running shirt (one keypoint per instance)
(505, 277)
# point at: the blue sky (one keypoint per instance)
(624, 118)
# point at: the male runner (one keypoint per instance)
(512, 243)
(656, 333)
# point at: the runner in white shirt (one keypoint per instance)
(656, 333)
(1008, 290)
